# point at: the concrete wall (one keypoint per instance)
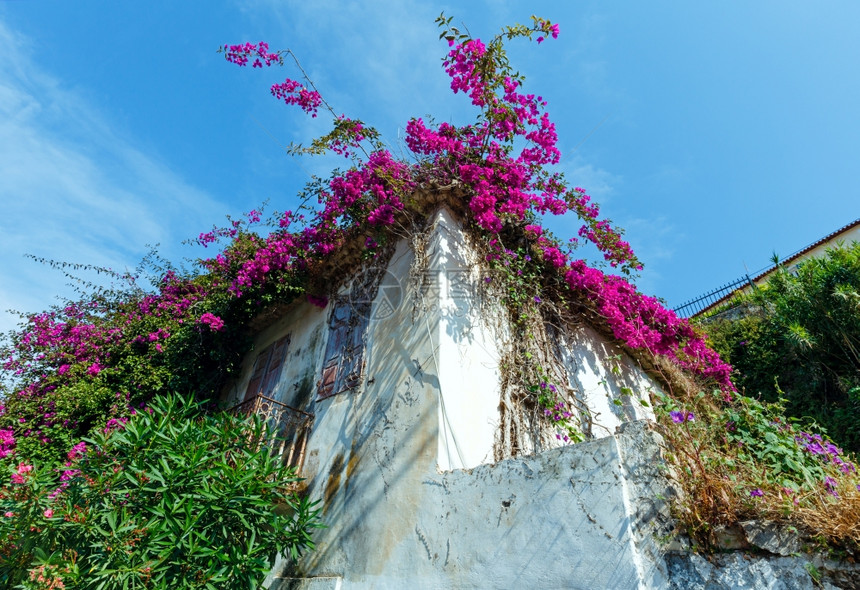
(402, 465)
(564, 518)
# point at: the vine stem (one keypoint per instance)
(314, 86)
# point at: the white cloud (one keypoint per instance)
(597, 182)
(73, 187)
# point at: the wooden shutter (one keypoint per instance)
(338, 335)
(256, 381)
(267, 369)
(275, 366)
(352, 359)
(343, 366)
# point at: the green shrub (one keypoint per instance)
(171, 499)
(800, 341)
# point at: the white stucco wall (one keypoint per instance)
(468, 353)
(611, 385)
(402, 465)
(564, 518)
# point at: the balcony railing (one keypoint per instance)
(290, 426)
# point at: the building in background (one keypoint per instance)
(722, 295)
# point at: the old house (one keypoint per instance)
(431, 472)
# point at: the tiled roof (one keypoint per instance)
(799, 254)
(810, 247)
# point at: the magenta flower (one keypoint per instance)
(215, 323)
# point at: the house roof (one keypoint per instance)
(794, 257)
(809, 248)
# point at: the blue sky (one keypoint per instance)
(715, 133)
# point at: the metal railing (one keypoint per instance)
(290, 426)
(694, 306)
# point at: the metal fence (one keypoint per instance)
(290, 426)
(694, 306)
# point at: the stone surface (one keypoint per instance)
(739, 571)
(772, 538)
(730, 538)
(318, 583)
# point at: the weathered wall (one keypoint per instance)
(557, 519)
(609, 382)
(402, 465)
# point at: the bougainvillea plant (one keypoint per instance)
(80, 365)
(505, 161)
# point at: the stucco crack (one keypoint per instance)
(424, 542)
(586, 512)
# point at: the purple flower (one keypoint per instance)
(679, 417)
(756, 493)
(830, 485)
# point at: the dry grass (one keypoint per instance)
(721, 479)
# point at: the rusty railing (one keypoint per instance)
(290, 426)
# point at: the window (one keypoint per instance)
(290, 426)
(267, 370)
(343, 364)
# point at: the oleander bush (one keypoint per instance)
(172, 498)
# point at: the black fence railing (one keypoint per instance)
(694, 306)
(290, 426)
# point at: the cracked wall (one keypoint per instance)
(403, 466)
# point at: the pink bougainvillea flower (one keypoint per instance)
(214, 323)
